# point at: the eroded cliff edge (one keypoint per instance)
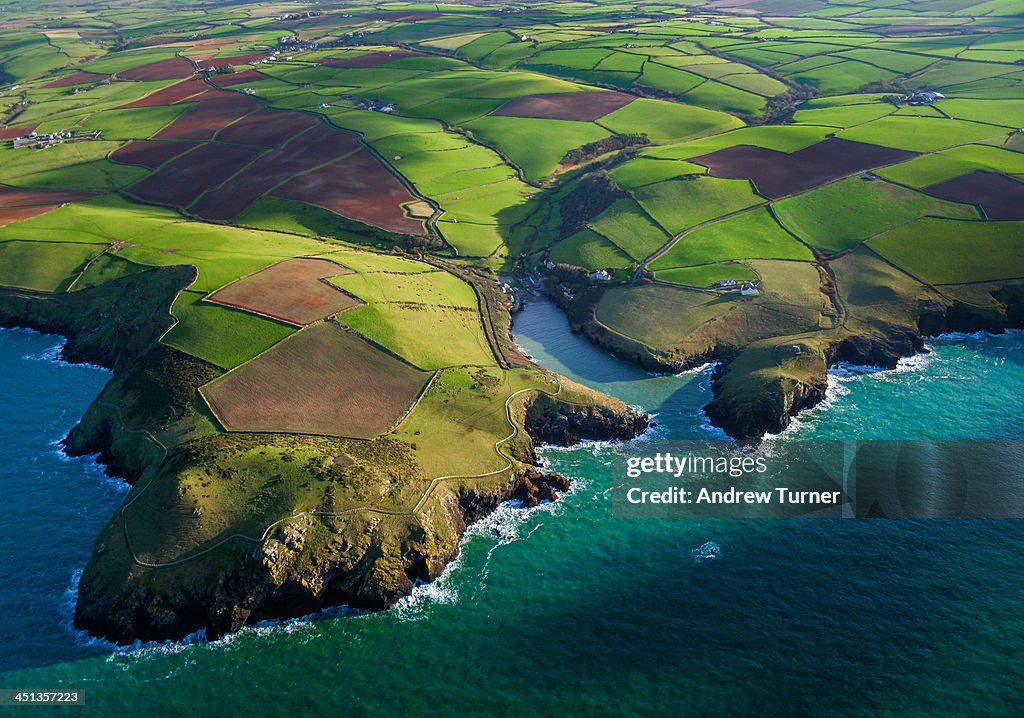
(149, 428)
(764, 377)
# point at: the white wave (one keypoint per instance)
(503, 526)
(951, 337)
(55, 355)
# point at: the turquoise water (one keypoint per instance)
(571, 611)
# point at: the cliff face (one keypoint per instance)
(549, 421)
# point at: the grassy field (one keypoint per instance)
(753, 234)
(941, 166)
(920, 134)
(43, 266)
(589, 250)
(536, 146)
(843, 214)
(436, 288)
(680, 204)
(455, 336)
(630, 228)
(220, 335)
(643, 171)
(951, 252)
(658, 315)
(705, 275)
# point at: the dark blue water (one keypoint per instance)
(53, 506)
(572, 612)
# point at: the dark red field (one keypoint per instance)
(213, 111)
(292, 291)
(372, 59)
(189, 89)
(305, 151)
(233, 60)
(182, 180)
(269, 128)
(18, 204)
(583, 106)
(777, 174)
(17, 197)
(169, 69)
(150, 153)
(1000, 196)
(239, 78)
(9, 215)
(10, 133)
(75, 78)
(359, 187)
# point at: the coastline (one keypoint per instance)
(751, 415)
(138, 603)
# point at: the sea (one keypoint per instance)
(566, 610)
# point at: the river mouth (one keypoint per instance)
(674, 401)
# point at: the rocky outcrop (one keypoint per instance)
(768, 412)
(878, 349)
(551, 421)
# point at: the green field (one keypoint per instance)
(753, 234)
(941, 251)
(920, 134)
(221, 335)
(706, 274)
(680, 204)
(630, 229)
(589, 250)
(43, 266)
(429, 337)
(842, 214)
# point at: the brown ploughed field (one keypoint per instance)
(75, 78)
(1000, 196)
(17, 197)
(189, 89)
(372, 59)
(269, 128)
(170, 69)
(233, 60)
(321, 380)
(10, 133)
(182, 180)
(303, 153)
(777, 174)
(239, 78)
(583, 106)
(291, 291)
(17, 204)
(359, 187)
(212, 112)
(150, 153)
